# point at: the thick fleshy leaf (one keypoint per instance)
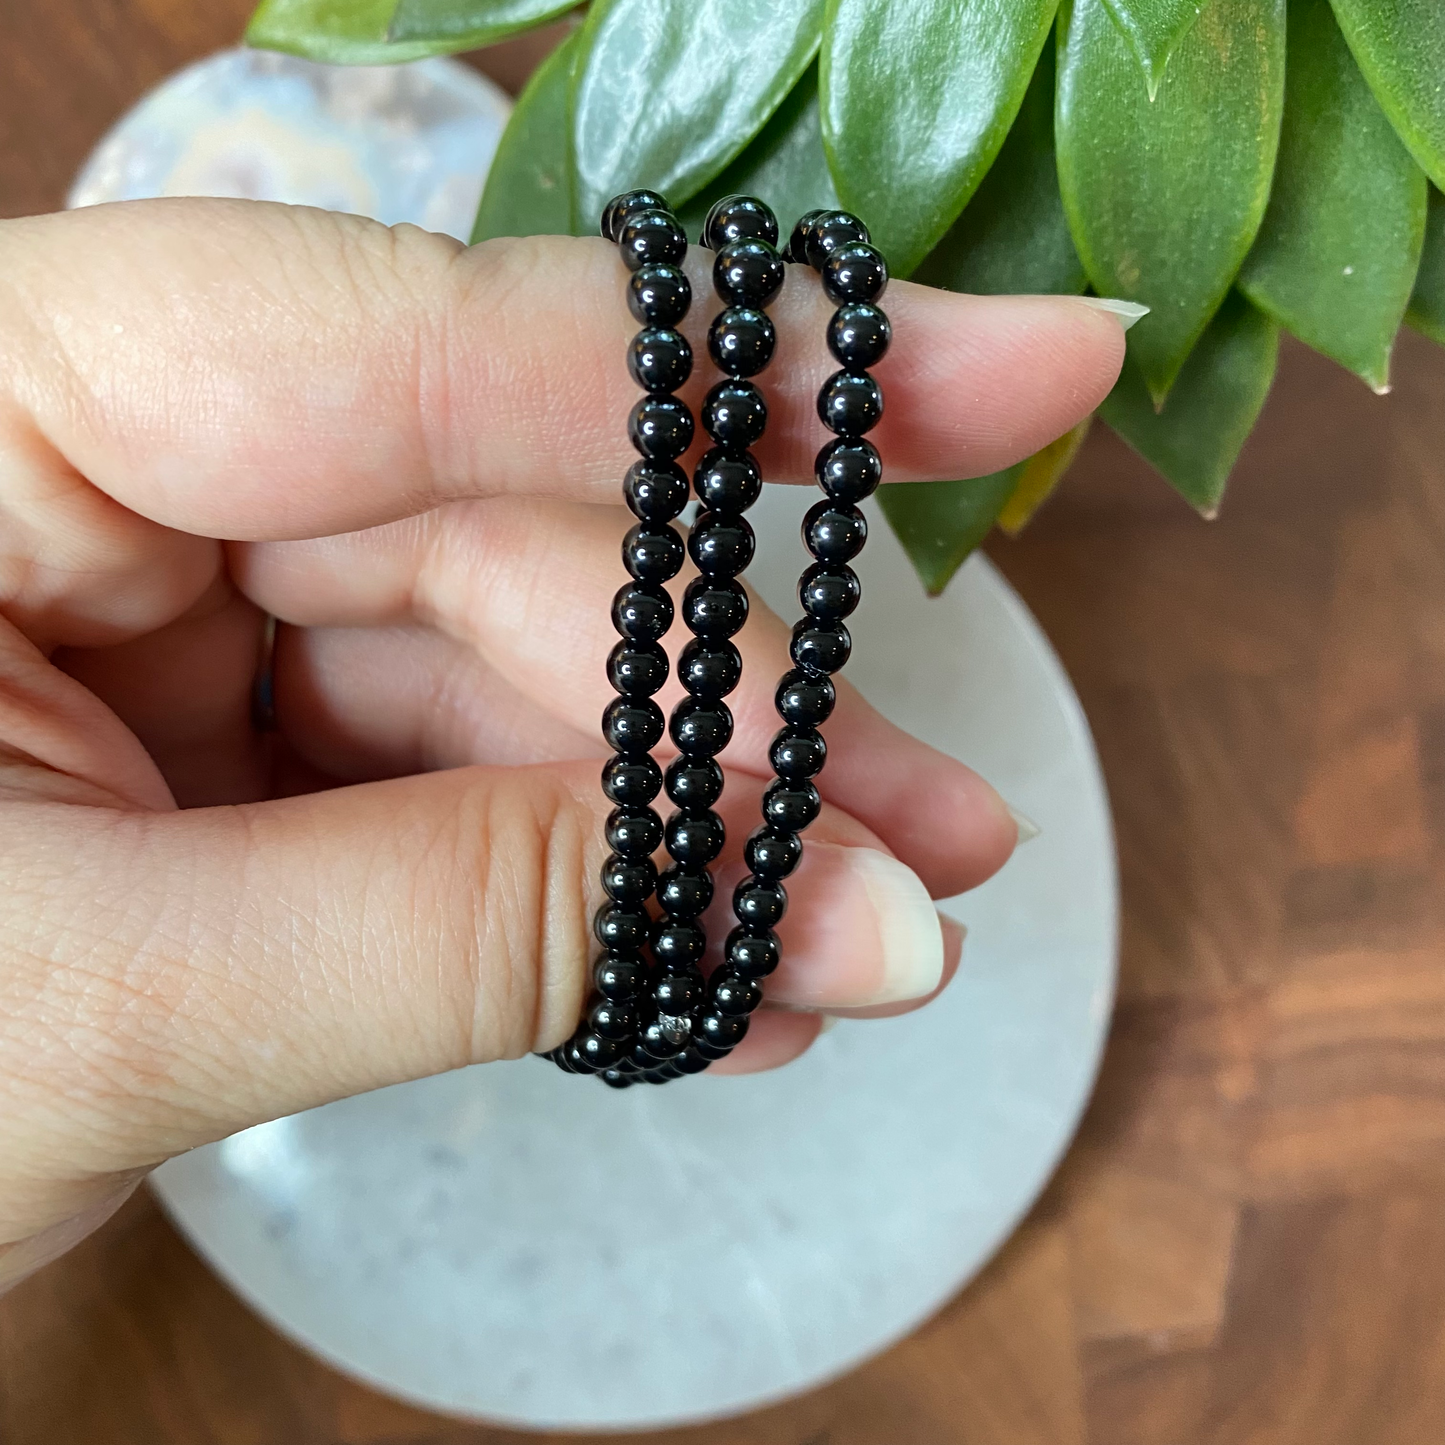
(784, 165)
(669, 91)
(1013, 237)
(940, 523)
(342, 32)
(529, 188)
(1336, 257)
(1164, 197)
(1154, 28)
(1210, 411)
(468, 24)
(1400, 46)
(1427, 305)
(916, 101)
(1041, 474)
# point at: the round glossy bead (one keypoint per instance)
(834, 533)
(790, 807)
(828, 231)
(634, 833)
(804, 698)
(709, 669)
(694, 783)
(848, 470)
(759, 904)
(741, 340)
(660, 426)
(641, 613)
(850, 403)
(659, 295)
(594, 1053)
(690, 1062)
(739, 218)
(771, 854)
(627, 203)
(722, 1031)
(714, 607)
(616, 1079)
(631, 782)
(637, 668)
(655, 491)
(700, 728)
(727, 481)
(797, 250)
(858, 336)
(681, 990)
(614, 1020)
(747, 273)
(678, 943)
(651, 553)
(619, 976)
(620, 929)
(829, 593)
(720, 544)
(628, 880)
(798, 753)
(706, 1051)
(684, 892)
(632, 724)
(854, 272)
(734, 993)
(695, 838)
(820, 646)
(734, 414)
(651, 238)
(662, 1038)
(659, 359)
(752, 955)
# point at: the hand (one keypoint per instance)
(413, 452)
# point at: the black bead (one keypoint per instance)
(628, 880)
(797, 249)
(854, 272)
(659, 359)
(663, 1074)
(747, 273)
(634, 833)
(619, 976)
(614, 1020)
(640, 612)
(631, 782)
(752, 955)
(722, 1031)
(798, 753)
(731, 992)
(663, 1038)
(739, 218)
(700, 728)
(679, 992)
(660, 426)
(771, 854)
(714, 607)
(827, 232)
(620, 930)
(659, 295)
(850, 403)
(720, 544)
(834, 533)
(684, 892)
(709, 669)
(625, 204)
(741, 341)
(677, 943)
(652, 554)
(695, 838)
(727, 481)
(594, 1053)
(759, 904)
(707, 1051)
(858, 335)
(790, 807)
(632, 724)
(848, 470)
(637, 668)
(559, 1057)
(734, 414)
(820, 646)
(616, 1079)
(650, 238)
(690, 1062)
(655, 491)
(804, 698)
(694, 783)
(829, 593)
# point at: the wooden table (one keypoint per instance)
(1246, 1245)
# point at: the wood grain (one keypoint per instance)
(1246, 1245)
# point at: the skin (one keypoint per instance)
(409, 452)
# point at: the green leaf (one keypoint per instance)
(940, 523)
(1337, 254)
(1427, 305)
(529, 190)
(1164, 197)
(342, 32)
(670, 91)
(1040, 475)
(1400, 46)
(916, 101)
(1154, 28)
(1210, 411)
(784, 165)
(470, 24)
(1013, 237)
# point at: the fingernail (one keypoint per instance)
(830, 1021)
(1028, 829)
(1128, 312)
